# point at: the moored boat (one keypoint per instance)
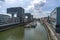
(31, 25)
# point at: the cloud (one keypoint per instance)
(34, 3)
(2, 0)
(17, 3)
(35, 8)
(39, 5)
(43, 7)
(13, 3)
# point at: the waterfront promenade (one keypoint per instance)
(52, 33)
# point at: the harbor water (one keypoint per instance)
(21, 33)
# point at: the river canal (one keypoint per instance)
(21, 33)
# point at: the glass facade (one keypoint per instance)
(53, 17)
(4, 19)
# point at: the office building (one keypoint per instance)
(19, 11)
(4, 19)
(55, 18)
(29, 17)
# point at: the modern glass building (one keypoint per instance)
(29, 17)
(55, 18)
(4, 19)
(19, 11)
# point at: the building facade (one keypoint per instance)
(4, 19)
(55, 18)
(29, 17)
(19, 11)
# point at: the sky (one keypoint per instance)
(38, 8)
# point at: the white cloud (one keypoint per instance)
(2, 0)
(10, 1)
(13, 3)
(16, 3)
(35, 2)
(38, 14)
(35, 8)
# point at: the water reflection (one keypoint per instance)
(38, 33)
(19, 33)
(13, 34)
